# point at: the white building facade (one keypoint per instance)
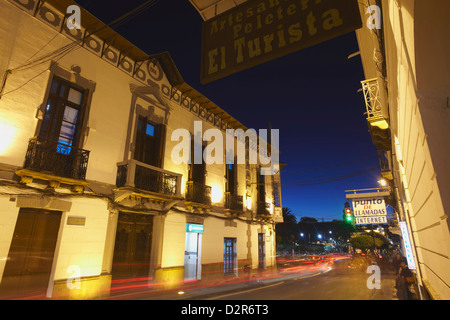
(90, 192)
(407, 87)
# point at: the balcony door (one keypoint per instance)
(261, 186)
(63, 116)
(149, 142)
(197, 190)
(55, 150)
(231, 178)
(197, 171)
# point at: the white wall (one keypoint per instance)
(82, 245)
(418, 73)
(8, 217)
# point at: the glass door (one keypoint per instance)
(229, 255)
(192, 256)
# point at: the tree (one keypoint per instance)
(308, 220)
(288, 216)
(366, 242)
(287, 230)
(344, 230)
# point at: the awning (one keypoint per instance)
(208, 9)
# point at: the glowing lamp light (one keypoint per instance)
(7, 134)
(216, 194)
(270, 208)
(383, 182)
(248, 203)
(382, 124)
(378, 121)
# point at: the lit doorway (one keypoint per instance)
(192, 252)
(261, 250)
(229, 255)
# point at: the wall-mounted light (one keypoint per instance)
(248, 203)
(216, 194)
(270, 207)
(7, 133)
(379, 122)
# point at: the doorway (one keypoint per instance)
(229, 255)
(261, 250)
(132, 246)
(192, 256)
(30, 258)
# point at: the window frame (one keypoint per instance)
(59, 104)
(78, 82)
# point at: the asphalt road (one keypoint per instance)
(339, 283)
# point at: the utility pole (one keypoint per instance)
(373, 237)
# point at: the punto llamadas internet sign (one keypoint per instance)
(261, 30)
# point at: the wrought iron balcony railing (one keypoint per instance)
(56, 158)
(233, 202)
(145, 177)
(372, 97)
(197, 192)
(261, 208)
(374, 104)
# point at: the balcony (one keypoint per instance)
(261, 209)
(385, 164)
(233, 202)
(198, 193)
(378, 125)
(55, 162)
(154, 180)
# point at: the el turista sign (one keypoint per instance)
(369, 211)
(261, 30)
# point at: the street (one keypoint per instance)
(337, 279)
(339, 283)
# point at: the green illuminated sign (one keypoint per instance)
(196, 228)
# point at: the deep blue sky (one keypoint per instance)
(311, 96)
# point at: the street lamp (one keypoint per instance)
(382, 182)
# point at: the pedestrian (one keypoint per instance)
(404, 279)
(396, 262)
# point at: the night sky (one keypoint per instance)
(311, 96)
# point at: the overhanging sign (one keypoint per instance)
(407, 245)
(371, 220)
(369, 211)
(258, 31)
(196, 228)
(369, 207)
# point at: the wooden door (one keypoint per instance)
(133, 246)
(30, 257)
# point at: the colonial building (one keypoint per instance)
(89, 189)
(407, 85)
